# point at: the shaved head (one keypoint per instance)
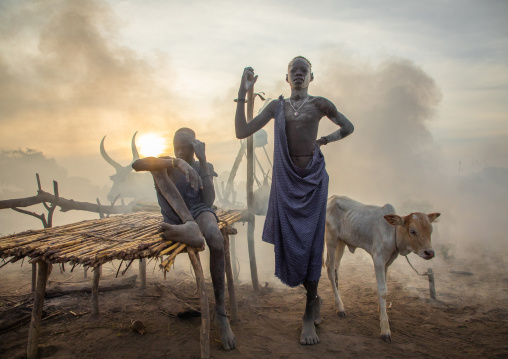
(187, 131)
(299, 57)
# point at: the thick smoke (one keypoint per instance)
(391, 154)
(67, 80)
(393, 158)
(18, 170)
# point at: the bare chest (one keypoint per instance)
(302, 122)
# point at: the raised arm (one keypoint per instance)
(160, 163)
(346, 127)
(206, 173)
(244, 129)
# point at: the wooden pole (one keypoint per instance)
(85, 272)
(95, 290)
(34, 276)
(250, 194)
(142, 273)
(432, 286)
(229, 275)
(35, 323)
(232, 249)
(231, 179)
(203, 301)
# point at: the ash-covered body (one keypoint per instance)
(295, 222)
(302, 114)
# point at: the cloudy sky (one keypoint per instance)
(424, 82)
(462, 46)
(72, 72)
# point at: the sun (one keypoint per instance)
(151, 145)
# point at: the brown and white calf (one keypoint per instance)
(379, 231)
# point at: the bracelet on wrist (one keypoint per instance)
(324, 139)
(240, 100)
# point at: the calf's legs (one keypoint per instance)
(334, 252)
(382, 291)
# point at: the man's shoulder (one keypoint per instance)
(211, 170)
(271, 106)
(320, 100)
(323, 104)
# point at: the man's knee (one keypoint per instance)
(215, 241)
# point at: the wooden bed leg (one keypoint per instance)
(230, 278)
(35, 323)
(142, 273)
(232, 249)
(203, 301)
(34, 276)
(95, 290)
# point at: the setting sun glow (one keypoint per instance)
(151, 145)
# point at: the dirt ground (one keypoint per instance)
(469, 319)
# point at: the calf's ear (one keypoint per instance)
(433, 216)
(394, 220)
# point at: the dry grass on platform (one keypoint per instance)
(94, 242)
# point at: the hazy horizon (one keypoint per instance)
(425, 90)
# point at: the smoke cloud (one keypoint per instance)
(67, 80)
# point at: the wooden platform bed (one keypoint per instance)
(125, 237)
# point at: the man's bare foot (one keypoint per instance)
(187, 233)
(227, 337)
(309, 335)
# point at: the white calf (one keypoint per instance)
(382, 234)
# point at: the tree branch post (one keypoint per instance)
(35, 323)
(250, 194)
(95, 290)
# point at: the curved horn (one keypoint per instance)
(135, 154)
(108, 159)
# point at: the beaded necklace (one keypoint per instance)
(296, 110)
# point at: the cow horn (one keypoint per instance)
(108, 159)
(135, 154)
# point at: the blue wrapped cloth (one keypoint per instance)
(295, 222)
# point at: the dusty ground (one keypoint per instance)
(469, 320)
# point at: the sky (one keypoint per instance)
(424, 83)
(73, 73)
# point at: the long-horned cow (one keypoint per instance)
(126, 183)
(380, 232)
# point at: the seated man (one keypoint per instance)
(185, 193)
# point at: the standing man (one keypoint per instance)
(186, 194)
(295, 222)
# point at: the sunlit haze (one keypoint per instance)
(151, 145)
(424, 83)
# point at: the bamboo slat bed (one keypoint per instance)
(92, 243)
